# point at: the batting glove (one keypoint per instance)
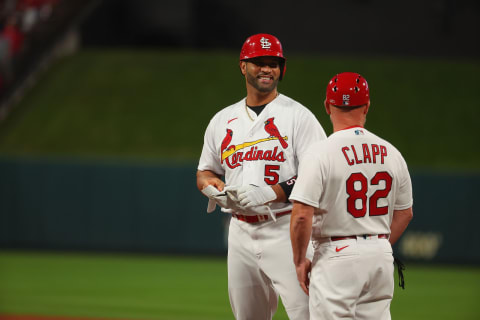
(233, 194)
(214, 197)
(221, 199)
(251, 195)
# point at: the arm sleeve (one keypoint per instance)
(287, 186)
(210, 158)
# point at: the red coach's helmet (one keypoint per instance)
(263, 45)
(348, 89)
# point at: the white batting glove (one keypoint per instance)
(251, 195)
(234, 201)
(220, 198)
(214, 197)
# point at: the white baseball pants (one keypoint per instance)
(260, 268)
(351, 279)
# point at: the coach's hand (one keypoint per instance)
(303, 274)
(251, 195)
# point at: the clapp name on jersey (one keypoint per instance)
(252, 155)
(368, 153)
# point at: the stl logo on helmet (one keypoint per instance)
(265, 43)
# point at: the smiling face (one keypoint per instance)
(262, 73)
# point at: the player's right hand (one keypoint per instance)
(208, 178)
(214, 197)
(215, 182)
(222, 199)
(303, 274)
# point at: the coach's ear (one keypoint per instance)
(327, 107)
(243, 67)
(366, 109)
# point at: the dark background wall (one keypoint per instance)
(431, 27)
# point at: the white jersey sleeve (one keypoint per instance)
(209, 159)
(311, 172)
(404, 198)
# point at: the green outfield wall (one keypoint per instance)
(53, 205)
(69, 205)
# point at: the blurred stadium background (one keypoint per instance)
(103, 106)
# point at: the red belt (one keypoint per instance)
(380, 236)
(258, 218)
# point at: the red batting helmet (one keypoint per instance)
(263, 45)
(348, 89)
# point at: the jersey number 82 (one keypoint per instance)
(361, 194)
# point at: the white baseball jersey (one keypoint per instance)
(261, 150)
(356, 180)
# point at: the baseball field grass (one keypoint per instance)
(128, 286)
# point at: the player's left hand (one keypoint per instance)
(251, 195)
(303, 274)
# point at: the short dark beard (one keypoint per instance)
(253, 82)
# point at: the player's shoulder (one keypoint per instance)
(360, 133)
(290, 102)
(319, 146)
(385, 142)
(298, 109)
(226, 112)
(380, 139)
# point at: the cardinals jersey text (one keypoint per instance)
(264, 151)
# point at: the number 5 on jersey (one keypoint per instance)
(271, 176)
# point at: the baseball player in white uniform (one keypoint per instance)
(355, 187)
(256, 145)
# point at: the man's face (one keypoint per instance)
(263, 73)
